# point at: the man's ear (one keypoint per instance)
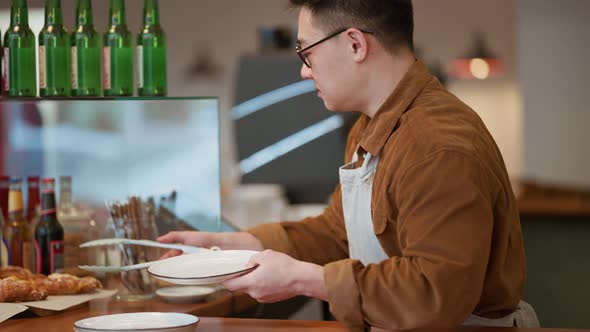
(358, 44)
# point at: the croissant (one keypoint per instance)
(13, 289)
(15, 271)
(67, 284)
(19, 285)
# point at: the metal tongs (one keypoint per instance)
(118, 241)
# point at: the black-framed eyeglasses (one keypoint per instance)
(301, 51)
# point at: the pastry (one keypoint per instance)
(13, 289)
(18, 284)
(67, 284)
(15, 271)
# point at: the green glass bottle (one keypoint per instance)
(20, 72)
(54, 54)
(151, 53)
(118, 53)
(85, 53)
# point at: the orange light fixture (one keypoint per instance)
(480, 63)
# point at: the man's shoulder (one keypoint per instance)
(438, 121)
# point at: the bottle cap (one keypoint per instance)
(33, 179)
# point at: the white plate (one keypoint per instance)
(140, 321)
(185, 294)
(202, 268)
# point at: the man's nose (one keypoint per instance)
(306, 72)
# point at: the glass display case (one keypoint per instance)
(166, 150)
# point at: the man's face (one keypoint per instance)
(329, 65)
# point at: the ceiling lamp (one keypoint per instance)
(479, 63)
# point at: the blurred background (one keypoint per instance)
(530, 90)
(533, 106)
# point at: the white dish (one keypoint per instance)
(140, 321)
(202, 268)
(185, 294)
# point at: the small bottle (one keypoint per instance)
(49, 234)
(54, 54)
(4, 185)
(4, 189)
(118, 53)
(65, 206)
(17, 232)
(3, 250)
(85, 53)
(151, 53)
(33, 201)
(71, 220)
(19, 70)
(2, 92)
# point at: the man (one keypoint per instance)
(423, 230)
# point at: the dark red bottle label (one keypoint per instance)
(56, 256)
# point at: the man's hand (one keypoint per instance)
(242, 240)
(197, 239)
(279, 277)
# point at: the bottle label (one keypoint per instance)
(48, 211)
(29, 259)
(107, 68)
(74, 67)
(42, 68)
(140, 66)
(56, 256)
(5, 70)
(15, 201)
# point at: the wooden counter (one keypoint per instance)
(220, 304)
(64, 322)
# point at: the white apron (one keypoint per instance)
(357, 188)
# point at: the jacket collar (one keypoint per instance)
(382, 125)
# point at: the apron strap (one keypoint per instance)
(526, 317)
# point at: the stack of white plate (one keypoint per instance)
(204, 267)
(185, 294)
(140, 321)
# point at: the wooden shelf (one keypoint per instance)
(543, 200)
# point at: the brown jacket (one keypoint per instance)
(443, 210)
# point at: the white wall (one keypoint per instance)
(498, 103)
(553, 57)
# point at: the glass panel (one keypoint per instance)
(117, 148)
